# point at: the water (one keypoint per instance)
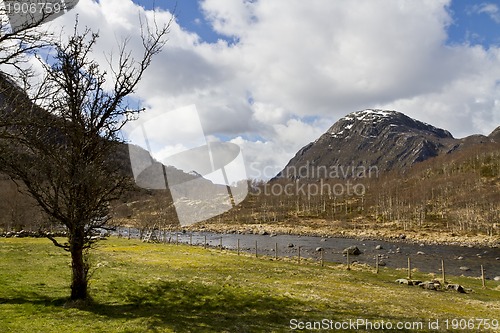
(426, 258)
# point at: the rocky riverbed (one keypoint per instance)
(406, 236)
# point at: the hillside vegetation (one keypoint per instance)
(452, 195)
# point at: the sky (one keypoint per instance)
(272, 76)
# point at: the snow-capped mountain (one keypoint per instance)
(387, 140)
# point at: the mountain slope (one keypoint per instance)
(387, 140)
(495, 135)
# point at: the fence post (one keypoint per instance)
(409, 268)
(238, 246)
(376, 264)
(205, 242)
(176, 239)
(322, 261)
(443, 272)
(348, 262)
(256, 249)
(191, 239)
(128, 234)
(482, 277)
(299, 255)
(276, 251)
(221, 243)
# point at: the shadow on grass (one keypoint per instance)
(192, 306)
(184, 307)
(195, 307)
(35, 299)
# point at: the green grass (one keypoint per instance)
(141, 287)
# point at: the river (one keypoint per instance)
(426, 258)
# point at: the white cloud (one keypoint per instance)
(489, 9)
(294, 60)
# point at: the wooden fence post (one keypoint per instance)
(256, 253)
(276, 251)
(322, 261)
(482, 277)
(238, 246)
(443, 272)
(409, 268)
(348, 262)
(376, 264)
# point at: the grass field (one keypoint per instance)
(141, 287)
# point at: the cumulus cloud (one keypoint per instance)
(287, 69)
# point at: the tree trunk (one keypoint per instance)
(79, 267)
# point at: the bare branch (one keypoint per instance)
(56, 243)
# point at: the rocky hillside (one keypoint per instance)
(388, 140)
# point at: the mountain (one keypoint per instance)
(387, 140)
(495, 135)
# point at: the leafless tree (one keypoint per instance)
(62, 141)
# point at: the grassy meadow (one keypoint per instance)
(141, 287)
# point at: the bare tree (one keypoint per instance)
(62, 142)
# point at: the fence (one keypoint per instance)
(296, 255)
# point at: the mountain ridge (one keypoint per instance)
(387, 139)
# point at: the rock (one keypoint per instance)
(264, 233)
(456, 287)
(497, 258)
(378, 247)
(290, 245)
(273, 235)
(319, 249)
(323, 239)
(352, 250)
(421, 253)
(496, 278)
(464, 268)
(430, 285)
(460, 258)
(403, 281)
(402, 236)
(398, 250)
(421, 245)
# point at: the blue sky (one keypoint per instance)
(272, 76)
(475, 22)
(190, 16)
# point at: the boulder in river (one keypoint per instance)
(378, 247)
(464, 268)
(496, 278)
(352, 250)
(319, 249)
